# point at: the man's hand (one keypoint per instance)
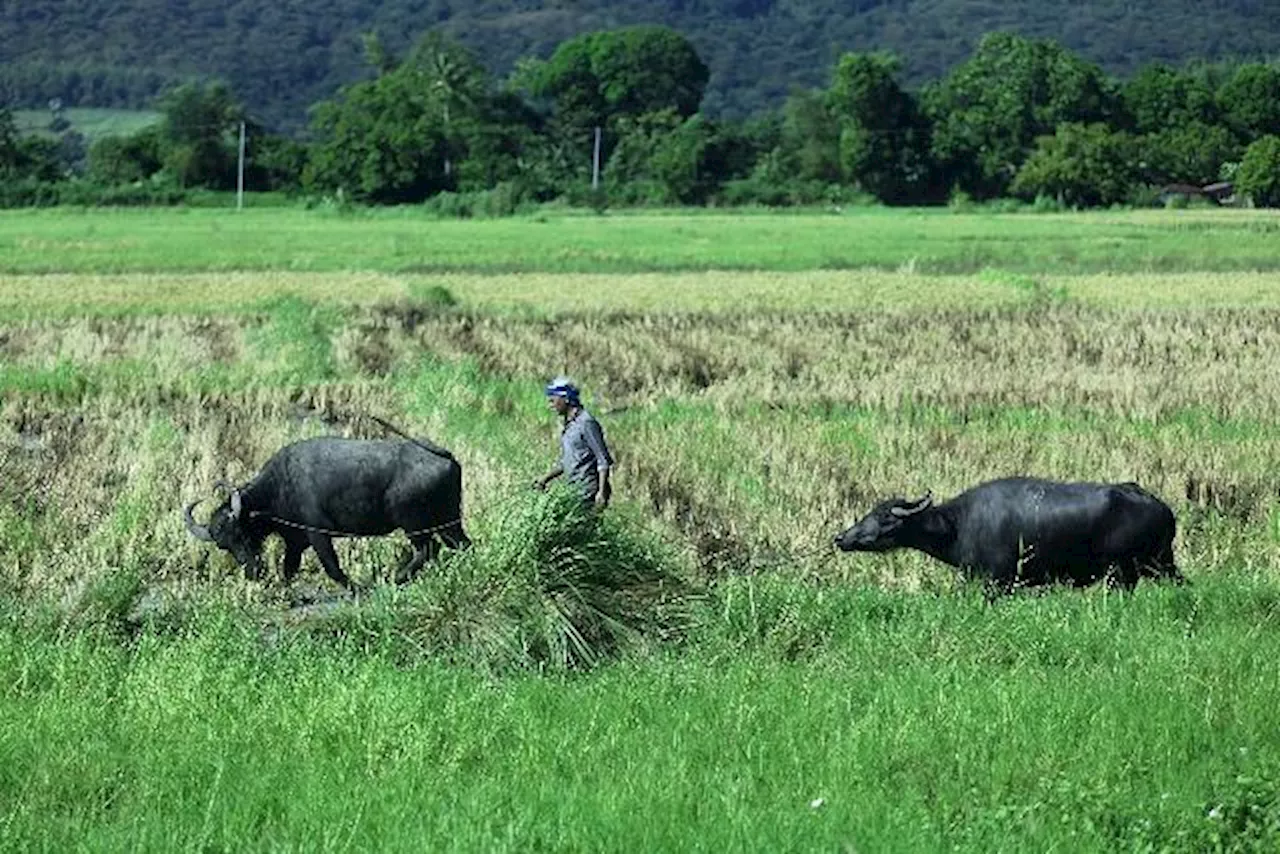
(602, 500)
(540, 484)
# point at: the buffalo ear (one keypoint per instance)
(236, 505)
(919, 506)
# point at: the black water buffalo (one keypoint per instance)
(317, 489)
(1025, 531)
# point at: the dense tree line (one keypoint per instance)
(1019, 117)
(282, 56)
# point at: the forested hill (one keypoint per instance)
(280, 56)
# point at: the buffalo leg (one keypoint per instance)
(455, 538)
(328, 557)
(1125, 576)
(293, 550)
(425, 548)
(1165, 567)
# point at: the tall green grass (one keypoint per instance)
(405, 240)
(806, 718)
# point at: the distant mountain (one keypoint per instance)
(280, 56)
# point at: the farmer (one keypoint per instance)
(584, 456)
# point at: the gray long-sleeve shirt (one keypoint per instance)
(583, 452)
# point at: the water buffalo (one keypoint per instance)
(317, 489)
(1026, 531)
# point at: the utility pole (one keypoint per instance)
(595, 162)
(240, 173)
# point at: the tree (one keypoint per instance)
(115, 160)
(1160, 98)
(810, 143)
(26, 157)
(598, 77)
(428, 124)
(10, 153)
(1081, 165)
(1250, 100)
(990, 110)
(275, 162)
(379, 141)
(884, 139)
(1259, 174)
(662, 158)
(199, 132)
(1191, 153)
(452, 77)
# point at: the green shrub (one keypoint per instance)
(1259, 174)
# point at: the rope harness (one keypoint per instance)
(327, 532)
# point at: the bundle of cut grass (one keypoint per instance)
(576, 586)
(550, 584)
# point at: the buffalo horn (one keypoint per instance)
(919, 506)
(236, 505)
(200, 532)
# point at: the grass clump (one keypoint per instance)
(552, 585)
(581, 585)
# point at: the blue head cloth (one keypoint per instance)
(564, 387)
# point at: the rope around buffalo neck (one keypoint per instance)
(330, 533)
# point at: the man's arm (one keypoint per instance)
(541, 483)
(594, 436)
(602, 495)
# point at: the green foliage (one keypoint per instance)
(377, 142)
(126, 159)
(1259, 174)
(1250, 100)
(1192, 153)
(884, 140)
(25, 157)
(198, 132)
(990, 110)
(1081, 166)
(664, 159)
(434, 124)
(810, 138)
(274, 163)
(596, 78)
(1160, 99)
(426, 125)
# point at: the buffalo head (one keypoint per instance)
(229, 530)
(879, 530)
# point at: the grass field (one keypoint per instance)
(403, 240)
(701, 671)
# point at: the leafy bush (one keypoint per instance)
(758, 190)
(1081, 164)
(1259, 174)
(506, 199)
(32, 193)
